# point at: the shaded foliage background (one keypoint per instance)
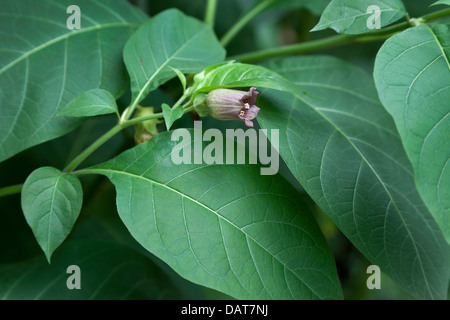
(99, 220)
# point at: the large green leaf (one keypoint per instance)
(350, 16)
(412, 74)
(51, 203)
(44, 65)
(345, 151)
(107, 271)
(222, 226)
(169, 41)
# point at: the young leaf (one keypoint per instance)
(199, 105)
(169, 41)
(352, 16)
(91, 103)
(171, 115)
(412, 74)
(444, 2)
(44, 65)
(345, 151)
(107, 271)
(222, 226)
(182, 78)
(51, 202)
(234, 74)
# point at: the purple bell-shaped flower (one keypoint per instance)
(229, 104)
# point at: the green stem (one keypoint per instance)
(94, 146)
(333, 41)
(436, 15)
(211, 11)
(141, 119)
(6, 191)
(108, 135)
(129, 111)
(189, 109)
(180, 101)
(117, 128)
(326, 43)
(78, 144)
(294, 49)
(243, 21)
(254, 56)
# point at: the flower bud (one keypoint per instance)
(229, 104)
(145, 130)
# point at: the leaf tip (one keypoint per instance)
(48, 255)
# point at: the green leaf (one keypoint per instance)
(91, 103)
(222, 226)
(345, 151)
(412, 75)
(182, 78)
(169, 41)
(199, 105)
(444, 2)
(351, 16)
(171, 115)
(51, 202)
(108, 271)
(233, 74)
(44, 65)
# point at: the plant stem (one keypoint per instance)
(210, 11)
(124, 122)
(189, 109)
(180, 101)
(326, 43)
(243, 21)
(294, 49)
(94, 146)
(6, 191)
(108, 135)
(75, 162)
(141, 119)
(249, 57)
(436, 15)
(129, 111)
(117, 128)
(333, 41)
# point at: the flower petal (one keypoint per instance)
(250, 97)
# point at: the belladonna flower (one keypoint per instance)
(229, 104)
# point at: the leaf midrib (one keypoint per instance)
(112, 171)
(328, 24)
(64, 37)
(338, 129)
(50, 213)
(163, 65)
(439, 44)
